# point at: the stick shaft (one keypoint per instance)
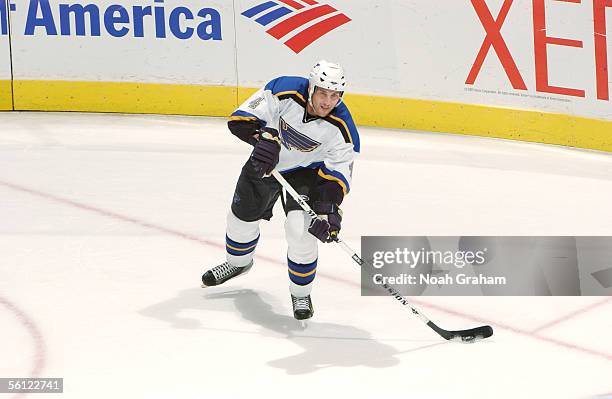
(394, 292)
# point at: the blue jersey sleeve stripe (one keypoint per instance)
(239, 112)
(335, 176)
(243, 115)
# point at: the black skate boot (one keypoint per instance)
(220, 274)
(302, 307)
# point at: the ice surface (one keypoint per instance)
(108, 221)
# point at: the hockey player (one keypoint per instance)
(302, 128)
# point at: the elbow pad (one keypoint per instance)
(244, 130)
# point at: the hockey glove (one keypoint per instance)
(266, 152)
(327, 226)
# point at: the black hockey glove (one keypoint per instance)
(327, 226)
(266, 152)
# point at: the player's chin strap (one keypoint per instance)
(466, 336)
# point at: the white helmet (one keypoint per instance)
(328, 76)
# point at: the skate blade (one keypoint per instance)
(233, 278)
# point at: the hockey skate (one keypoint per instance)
(302, 307)
(220, 274)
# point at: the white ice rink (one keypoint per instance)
(108, 221)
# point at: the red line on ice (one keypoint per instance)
(193, 238)
(572, 315)
(40, 352)
(117, 216)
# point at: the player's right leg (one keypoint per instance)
(240, 241)
(253, 200)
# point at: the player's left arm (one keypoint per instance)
(333, 183)
(336, 174)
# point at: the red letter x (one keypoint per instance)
(495, 39)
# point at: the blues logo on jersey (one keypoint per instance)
(292, 139)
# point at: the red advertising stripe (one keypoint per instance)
(298, 42)
(310, 2)
(293, 3)
(298, 20)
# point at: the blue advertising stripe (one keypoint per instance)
(4, 18)
(240, 245)
(259, 8)
(273, 16)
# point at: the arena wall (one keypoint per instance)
(531, 70)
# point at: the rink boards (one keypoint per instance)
(530, 76)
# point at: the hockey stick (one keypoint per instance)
(465, 336)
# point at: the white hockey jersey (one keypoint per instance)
(328, 144)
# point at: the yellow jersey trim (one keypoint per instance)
(333, 178)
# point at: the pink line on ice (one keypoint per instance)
(194, 238)
(573, 314)
(40, 352)
(117, 216)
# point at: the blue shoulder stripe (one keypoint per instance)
(288, 84)
(341, 118)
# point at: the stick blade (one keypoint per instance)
(471, 335)
(465, 336)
